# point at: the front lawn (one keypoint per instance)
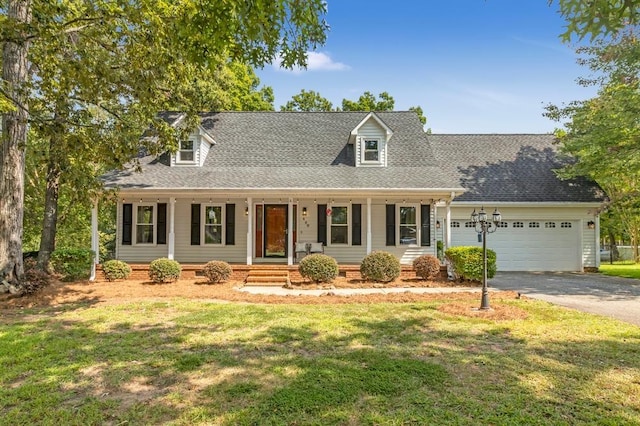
(621, 270)
(188, 362)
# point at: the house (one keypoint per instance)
(252, 187)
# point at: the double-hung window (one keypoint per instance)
(408, 225)
(339, 225)
(371, 151)
(213, 222)
(145, 219)
(186, 153)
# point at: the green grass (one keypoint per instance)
(621, 270)
(187, 362)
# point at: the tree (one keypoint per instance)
(307, 101)
(598, 17)
(151, 39)
(368, 102)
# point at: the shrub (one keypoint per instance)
(426, 266)
(116, 270)
(217, 271)
(72, 264)
(319, 268)
(164, 270)
(34, 278)
(467, 262)
(380, 266)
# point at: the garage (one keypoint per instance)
(527, 245)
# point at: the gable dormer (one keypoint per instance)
(370, 138)
(193, 150)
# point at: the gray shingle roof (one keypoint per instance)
(309, 150)
(510, 168)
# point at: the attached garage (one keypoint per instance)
(528, 245)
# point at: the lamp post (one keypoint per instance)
(485, 226)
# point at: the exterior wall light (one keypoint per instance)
(591, 225)
(304, 212)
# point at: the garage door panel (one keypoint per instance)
(529, 248)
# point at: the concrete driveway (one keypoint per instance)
(589, 292)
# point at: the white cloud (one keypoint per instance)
(316, 61)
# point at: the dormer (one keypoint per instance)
(370, 138)
(193, 150)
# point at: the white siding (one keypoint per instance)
(136, 253)
(371, 130)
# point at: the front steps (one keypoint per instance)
(267, 277)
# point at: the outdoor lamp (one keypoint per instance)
(483, 226)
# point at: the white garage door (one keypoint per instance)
(527, 245)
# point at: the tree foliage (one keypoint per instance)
(307, 101)
(368, 102)
(596, 18)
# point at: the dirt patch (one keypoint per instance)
(496, 313)
(59, 294)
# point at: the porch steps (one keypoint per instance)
(267, 278)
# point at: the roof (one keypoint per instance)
(510, 168)
(296, 150)
(310, 151)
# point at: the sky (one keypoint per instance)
(474, 66)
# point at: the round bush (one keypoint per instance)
(426, 266)
(380, 266)
(319, 268)
(217, 271)
(116, 270)
(164, 270)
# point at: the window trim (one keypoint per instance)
(348, 225)
(363, 151)
(179, 159)
(222, 224)
(154, 224)
(417, 224)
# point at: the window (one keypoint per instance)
(145, 218)
(408, 225)
(213, 225)
(339, 225)
(455, 224)
(549, 224)
(186, 153)
(503, 225)
(534, 224)
(370, 151)
(565, 225)
(518, 225)
(469, 225)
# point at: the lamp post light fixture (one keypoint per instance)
(485, 226)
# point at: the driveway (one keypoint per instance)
(589, 292)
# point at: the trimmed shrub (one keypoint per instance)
(217, 271)
(34, 278)
(426, 266)
(467, 262)
(116, 270)
(164, 270)
(319, 268)
(380, 266)
(72, 264)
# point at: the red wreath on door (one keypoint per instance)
(328, 212)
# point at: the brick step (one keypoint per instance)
(268, 273)
(266, 278)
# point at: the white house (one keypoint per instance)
(247, 187)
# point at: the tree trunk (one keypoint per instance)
(50, 220)
(14, 139)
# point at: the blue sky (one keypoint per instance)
(474, 66)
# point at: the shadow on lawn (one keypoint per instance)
(233, 364)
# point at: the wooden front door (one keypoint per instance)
(275, 230)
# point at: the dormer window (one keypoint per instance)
(186, 153)
(371, 151)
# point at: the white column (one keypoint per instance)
(249, 232)
(171, 250)
(290, 252)
(447, 228)
(597, 241)
(95, 240)
(368, 225)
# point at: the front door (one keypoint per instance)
(275, 230)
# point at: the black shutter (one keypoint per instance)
(161, 231)
(356, 224)
(391, 224)
(322, 224)
(230, 230)
(425, 217)
(127, 224)
(195, 224)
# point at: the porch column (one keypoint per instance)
(447, 227)
(172, 236)
(368, 225)
(290, 233)
(95, 240)
(249, 231)
(597, 242)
